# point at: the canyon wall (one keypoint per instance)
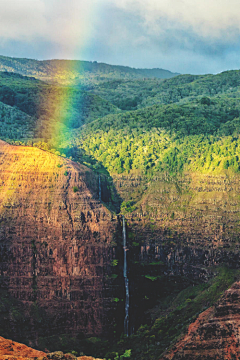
(180, 229)
(185, 219)
(57, 241)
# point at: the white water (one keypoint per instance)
(99, 188)
(126, 319)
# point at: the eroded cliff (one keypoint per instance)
(215, 333)
(56, 241)
(180, 229)
(185, 219)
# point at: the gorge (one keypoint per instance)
(125, 275)
(119, 212)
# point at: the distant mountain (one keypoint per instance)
(76, 72)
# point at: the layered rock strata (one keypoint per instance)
(188, 221)
(56, 239)
(215, 334)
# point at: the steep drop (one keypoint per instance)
(56, 241)
(125, 275)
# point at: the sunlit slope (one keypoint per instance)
(55, 235)
(45, 185)
(194, 136)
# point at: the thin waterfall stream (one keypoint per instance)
(99, 188)
(125, 275)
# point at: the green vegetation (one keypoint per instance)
(175, 138)
(115, 262)
(39, 110)
(196, 130)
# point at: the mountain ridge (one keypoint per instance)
(77, 72)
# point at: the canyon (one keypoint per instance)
(62, 253)
(119, 211)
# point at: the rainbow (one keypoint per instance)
(60, 105)
(60, 101)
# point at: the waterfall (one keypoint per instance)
(99, 188)
(126, 319)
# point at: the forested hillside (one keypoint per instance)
(201, 135)
(135, 94)
(193, 125)
(77, 73)
(49, 107)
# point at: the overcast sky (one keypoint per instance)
(186, 36)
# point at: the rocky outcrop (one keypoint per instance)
(215, 333)
(56, 241)
(11, 350)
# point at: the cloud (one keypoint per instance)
(21, 19)
(207, 18)
(181, 35)
(63, 22)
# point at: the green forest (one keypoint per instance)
(191, 124)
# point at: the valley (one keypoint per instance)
(128, 150)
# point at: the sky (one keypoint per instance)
(185, 36)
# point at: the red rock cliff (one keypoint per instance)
(215, 334)
(56, 239)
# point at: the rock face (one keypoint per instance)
(56, 240)
(12, 350)
(215, 334)
(189, 221)
(180, 227)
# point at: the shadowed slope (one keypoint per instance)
(215, 334)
